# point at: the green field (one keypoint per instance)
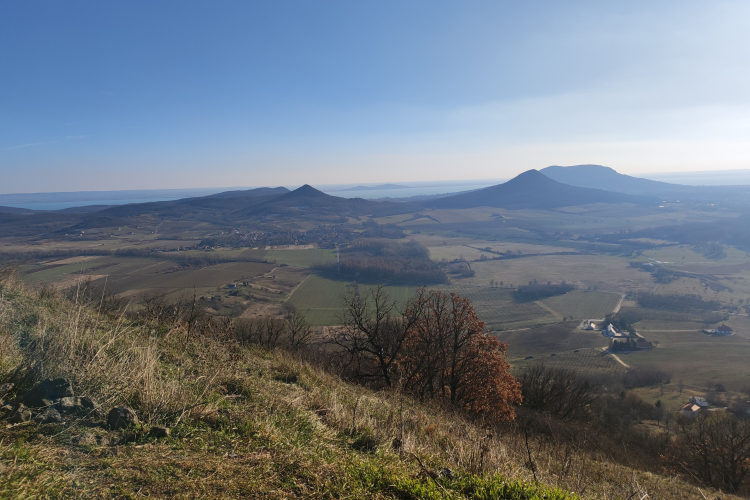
(55, 273)
(495, 306)
(585, 271)
(585, 361)
(301, 258)
(581, 304)
(697, 358)
(320, 299)
(208, 277)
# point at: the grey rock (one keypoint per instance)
(90, 406)
(85, 439)
(122, 417)
(70, 405)
(48, 416)
(446, 473)
(159, 432)
(47, 392)
(5, 388)
(83, 405)
(19, 414)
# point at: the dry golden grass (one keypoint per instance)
(249, 424)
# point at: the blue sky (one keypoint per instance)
(175, 94)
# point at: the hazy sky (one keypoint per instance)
(172, 94)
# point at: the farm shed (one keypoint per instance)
(724, 330)
(699, 401)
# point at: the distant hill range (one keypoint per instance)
(375, 188)
(231, 207)
(14, 210)
(534, 190)
(601, 177)
(218, 204)
(307, 200)
(553, 187)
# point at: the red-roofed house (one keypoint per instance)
(691, 410)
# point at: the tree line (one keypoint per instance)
(382, 260)
(677, 302)
(537, 291)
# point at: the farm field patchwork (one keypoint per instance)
(550, 339)
(53, 272)
(132, 273)
(697, 358)
(474, 250)
(302, 258)
(496, 307)
(211, 276)
(582, 304)
(591, 362)
(686, 255)
(649, 325)
(594, 271)
(724, 289)
(320, 299)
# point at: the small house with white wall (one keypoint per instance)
(611, 331)
(691, 410)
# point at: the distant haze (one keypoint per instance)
(704, 178)
(185, 94)
(62, 200)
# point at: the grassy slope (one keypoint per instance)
(254, 425)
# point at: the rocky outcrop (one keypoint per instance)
(48, 402)
(48, 416)
(79, 406)
(16, 413)
(47, 392)
(122, 417)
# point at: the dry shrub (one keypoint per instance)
(106, 357)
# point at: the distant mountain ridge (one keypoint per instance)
(534, 190)
(601, 177)
(226, 201)
(308, 200)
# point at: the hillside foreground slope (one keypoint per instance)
(248, 423)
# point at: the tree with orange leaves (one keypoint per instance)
(449, 354)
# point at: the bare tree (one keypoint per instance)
(556, 391)
(715, 449)
(298, 331)
(374, 333)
